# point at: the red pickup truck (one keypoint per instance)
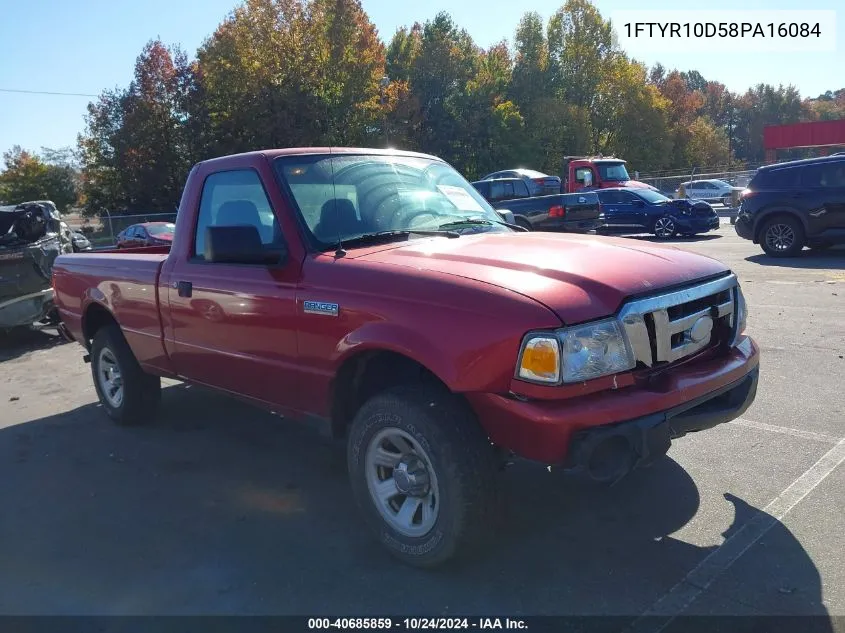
(378, 294)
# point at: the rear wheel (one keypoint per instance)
(727, 201)
(423, 474)
(128, 394)
(664, 227)
(782, 236)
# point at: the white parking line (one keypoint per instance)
(785, 430)
(682, 595)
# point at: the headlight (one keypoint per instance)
(539, 360)
(575, 354)
(593, 350)
(741, 312)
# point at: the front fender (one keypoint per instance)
(480, 365)
(761, 216)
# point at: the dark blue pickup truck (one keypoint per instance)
(569, 212)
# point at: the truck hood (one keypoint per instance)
(579, 277)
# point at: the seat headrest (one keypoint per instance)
(235, 212)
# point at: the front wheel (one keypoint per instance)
(128, 394)
(665, 227)
(423, 474)
(782, 237)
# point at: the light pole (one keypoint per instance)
(383, 84)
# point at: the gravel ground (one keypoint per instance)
(220, 509)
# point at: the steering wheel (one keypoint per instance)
(408, 217)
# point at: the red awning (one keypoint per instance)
(813, 134)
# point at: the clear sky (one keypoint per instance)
(86, 46)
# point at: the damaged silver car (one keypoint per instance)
(32, 235)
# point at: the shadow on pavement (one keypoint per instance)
(20, 341)
(217, 508)
(678, 239)
(829, 258)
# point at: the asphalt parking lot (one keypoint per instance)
(220, 509)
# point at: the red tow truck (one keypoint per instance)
(376, 293)
(582, 172)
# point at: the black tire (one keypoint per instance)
(141, 391)
(460, 456)
(666, 233)
(782, 236)
(523, 223)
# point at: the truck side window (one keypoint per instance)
(231, 198)
(581, 172)
(497, 190)
(521, 189)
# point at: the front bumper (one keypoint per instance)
(26, 309)
(609, 452)
(546, 430)
(744, 228)
(696, 225)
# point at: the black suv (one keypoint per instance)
(792, 205)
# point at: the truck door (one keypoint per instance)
(616, 207)
(233, 324)
(824, 196)
(581, 176)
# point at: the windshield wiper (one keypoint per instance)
(478, 222)
(386, 236)
(470, 221)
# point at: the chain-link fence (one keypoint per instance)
(669, 181)
(102, 231)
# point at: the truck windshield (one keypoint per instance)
(652, 196)
(341, 197)
(613, 171)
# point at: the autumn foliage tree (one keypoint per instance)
(51, 175)
(279, 73)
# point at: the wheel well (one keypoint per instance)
(96, 316)
(764, 219)
(366, 374)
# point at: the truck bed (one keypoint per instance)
(581, 211)
(124, 282)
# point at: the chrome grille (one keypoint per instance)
(669, 327)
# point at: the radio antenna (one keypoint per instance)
(340, 252)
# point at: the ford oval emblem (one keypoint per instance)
(700, 330)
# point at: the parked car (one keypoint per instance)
(146, 234)
(791, 205)
(710, 191)
(641, 209)
(537, 182)
(574, 213)
(377, 294)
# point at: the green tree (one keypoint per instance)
(27, 176)
(282, 73)
(708, 144)
(580, 47)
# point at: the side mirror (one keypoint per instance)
(506, 215)
(239, 245)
